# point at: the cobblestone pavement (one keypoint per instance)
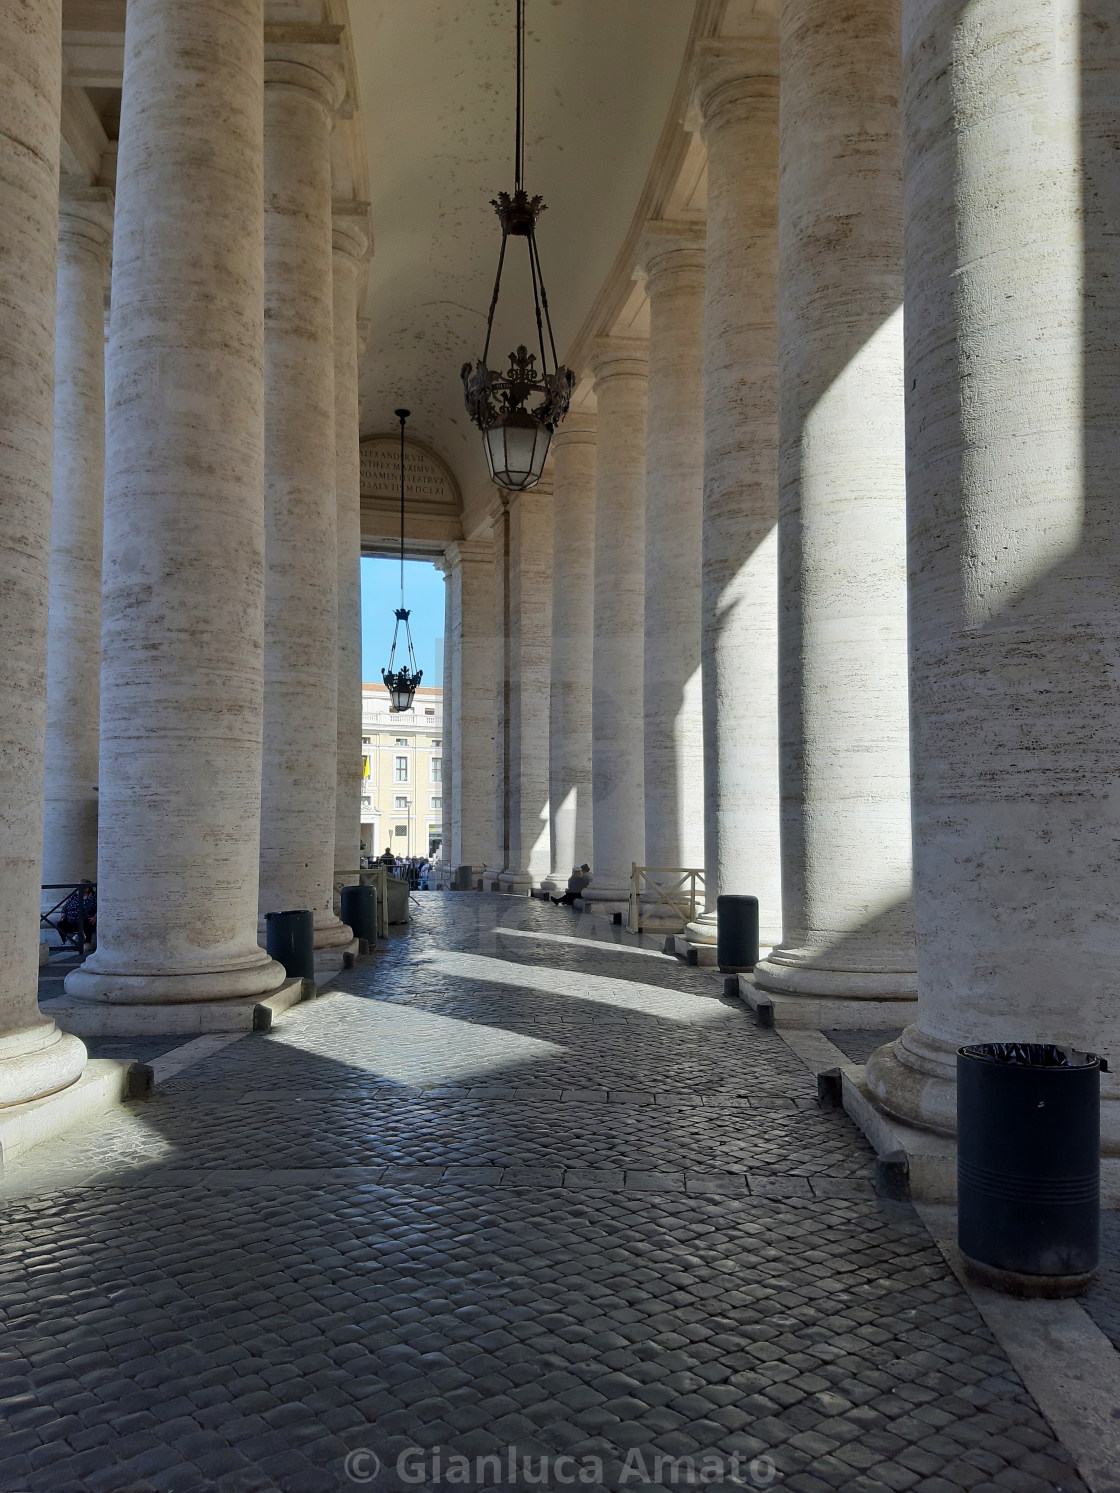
(507, 1186)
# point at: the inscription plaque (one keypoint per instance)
(426, 482)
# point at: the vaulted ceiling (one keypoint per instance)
(436, 82)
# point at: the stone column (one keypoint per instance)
(1013, 406)
(673, 257)
(846, 877)
(85, 238)
(302, 88)
(573, 633)
(182, 606)
(737, 99)
(351, 245)
(530, 623)
(450, 724)
(470, 656)
(500, 655)
(621, 370)
(35, 1057)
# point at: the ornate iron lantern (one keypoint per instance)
(516, 432)
(402, 683)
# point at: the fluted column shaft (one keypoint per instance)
(1012, 210)
(351, 244)
(846, 878)
(573, 631)
(450, 714)
(35, 1058)
(85, 237)
(621, 370)
(530, 614)
(673, 255)
(738, 100)
(500, 655)
(469, 662)
(183, 596)
(298, 819)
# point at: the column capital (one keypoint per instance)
(352, 236)
(580, 428)
(671, 248)
(85, 218)
(618, 357)
(733, 74)
(468, 552)
(307, 59)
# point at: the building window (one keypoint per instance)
(402, 740)
(437, 803)
(365, 741)
(400, 829)
(400, 769)
(400, 803)
(436, 742)
(367, 803)
(429, 710)
(437, 770)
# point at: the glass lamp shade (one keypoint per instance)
(516, 450)
(402, 688)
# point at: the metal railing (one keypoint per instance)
(50, 918)
(683, 896)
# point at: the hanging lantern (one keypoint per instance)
(517, 432)
(402, 683)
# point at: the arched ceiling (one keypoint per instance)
(436, 86)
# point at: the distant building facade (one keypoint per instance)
(402, 765)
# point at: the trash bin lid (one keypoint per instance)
(1030, 1054)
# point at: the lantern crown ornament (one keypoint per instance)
(518, 410)
(402, 682)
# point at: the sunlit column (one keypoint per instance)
(1013, 404)
(35, 1057)
(573, 608)
(621, 369)
(85, 238)
(302, 88)
(351, 245)
(846, 879)
(530, 613)
(182, 605)
(673, 257)
(500, 653)
(469, 665)
(450, 714)
(737, 99)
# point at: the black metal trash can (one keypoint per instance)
(736, 932)
(464, 879)
(358, 908)
(289, 938)
(1028, 1166)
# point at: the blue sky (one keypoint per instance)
(423, 595)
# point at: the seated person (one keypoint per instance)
(79, 916)
(579, 878)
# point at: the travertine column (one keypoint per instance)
(85, 237)
(846, 881)
(621, 370)
(530, 622)
(450, 720)
(500, 662)
(737, 95)
(35, 1057)
(182, 605)
(573, 632)
(1013, 422)
(351, 245)
(470, 664)
(302, 88)
(673, 256)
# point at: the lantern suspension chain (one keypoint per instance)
(402, 416)
(519, 126)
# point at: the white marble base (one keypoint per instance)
(102, 1086)
(815, 1013)
(694, 953)
(100, 1019)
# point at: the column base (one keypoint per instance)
(516, 883)
(603, 901)
(95, 982)
(793, 972)
(703, 930)
(38, 1061)
(101, 1087)
(332, 934)
(554, 885)
(193, 1019)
